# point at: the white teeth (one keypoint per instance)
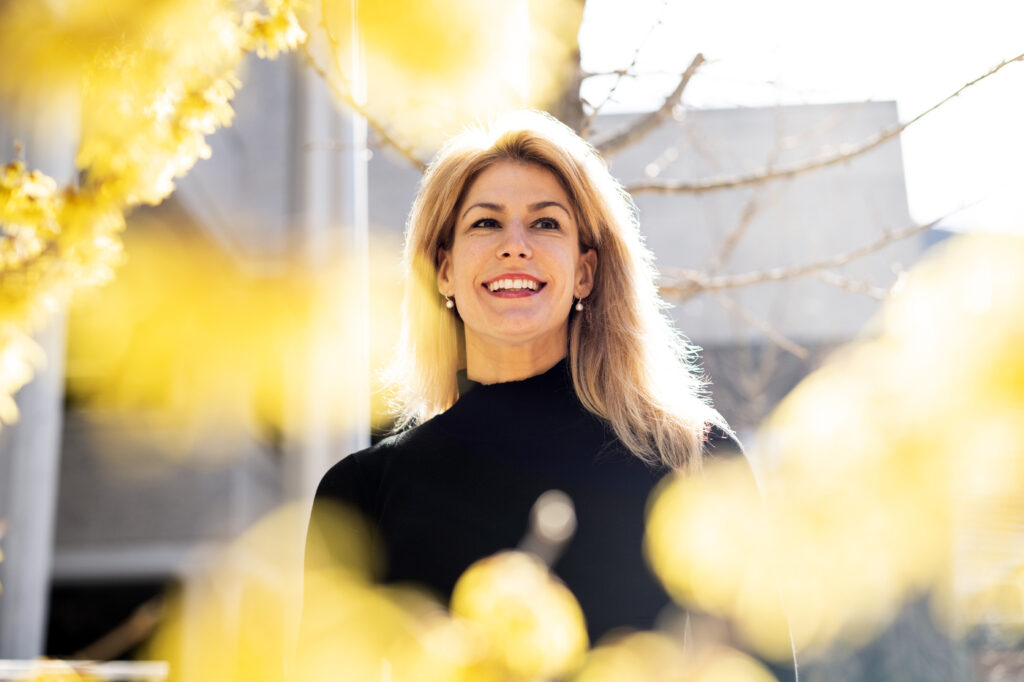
(513, 284)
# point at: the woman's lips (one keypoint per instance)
(513, 285)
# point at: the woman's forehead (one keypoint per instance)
(506, 184)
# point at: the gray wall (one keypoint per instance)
(800, 220)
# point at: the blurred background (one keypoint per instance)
(791, 163)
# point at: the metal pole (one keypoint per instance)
(329, 190)
(30, 449)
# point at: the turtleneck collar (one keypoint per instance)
(559, 370)
(513, 409)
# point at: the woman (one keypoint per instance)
(534, 356)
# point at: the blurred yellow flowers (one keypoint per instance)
(432, 66)
(239, 617)
(188, 338)
(881, 468)
(533, 623)
(658, 657)
(151, 81)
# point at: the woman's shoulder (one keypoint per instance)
(361, 470)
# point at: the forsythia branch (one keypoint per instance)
(386, 137)
(169, 85)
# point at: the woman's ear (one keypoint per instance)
(444, 273)
(585, 271)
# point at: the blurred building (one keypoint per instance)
(131, 519)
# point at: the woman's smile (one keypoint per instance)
(514, 285)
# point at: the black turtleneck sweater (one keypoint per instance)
(460, 487)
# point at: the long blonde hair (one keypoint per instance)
(628, 364)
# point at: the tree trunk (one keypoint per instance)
(567, 107)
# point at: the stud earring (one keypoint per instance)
(448, 303)
(579, 305)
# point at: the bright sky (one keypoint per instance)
(809, 51)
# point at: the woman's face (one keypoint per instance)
(515, 262)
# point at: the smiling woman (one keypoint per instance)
(534, 357)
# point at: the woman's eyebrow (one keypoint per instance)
(500, 208)
(545, 204)
(483, 204)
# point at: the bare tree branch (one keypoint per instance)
(589, 119)
(643, 126)
(128, 634)
(681, 284)
(728, 244)
(628, 73)
(760, 364)
(845, 153)
(620, 73)
(853, 286)
(382, 132)
(773, 334)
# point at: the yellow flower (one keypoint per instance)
(532, 621)
(153, 80)
(892, 458)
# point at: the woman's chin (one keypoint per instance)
(522, 333)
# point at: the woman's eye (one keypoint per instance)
(486, 222)
(547, 224)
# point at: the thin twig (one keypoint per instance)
(732, 239)
(729, 242)
(594, 111)
(628, 73)
(773, 334)
(139, 626)
(750, 210)
(682, 284)
(756, 375)
(382, 132)
(763, 175)
(621, 73)
(853, 286)
(643, 126)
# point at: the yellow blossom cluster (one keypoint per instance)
(533, 622)
(426, 68)
(660, 657)
(243, 617)
(896, 470)
(152, 80)
(267, 355)
(272, 33)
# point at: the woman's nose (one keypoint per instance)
(515, 242)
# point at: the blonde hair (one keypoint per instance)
(629, 365)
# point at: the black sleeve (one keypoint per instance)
(340, 525)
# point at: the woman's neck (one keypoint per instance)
(493, 364)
